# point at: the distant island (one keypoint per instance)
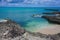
(52, 9)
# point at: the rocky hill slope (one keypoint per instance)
(10, 30)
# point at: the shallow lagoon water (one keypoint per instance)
(23, 16)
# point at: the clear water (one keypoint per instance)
(23, 16)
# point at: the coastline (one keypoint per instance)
(54, 29)
(10, 30)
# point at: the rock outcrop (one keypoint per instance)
(10, 30)
(53, 19)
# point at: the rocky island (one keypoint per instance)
(52, 9)
(10, 30)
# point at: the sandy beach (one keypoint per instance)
(53, 29)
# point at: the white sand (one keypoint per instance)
(53, 29)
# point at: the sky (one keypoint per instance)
(31, 3)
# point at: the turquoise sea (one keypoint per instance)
(23, 16)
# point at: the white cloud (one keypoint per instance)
(8, 0)
(39, 2)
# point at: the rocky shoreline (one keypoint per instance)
(51, 17)
(10, 30)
